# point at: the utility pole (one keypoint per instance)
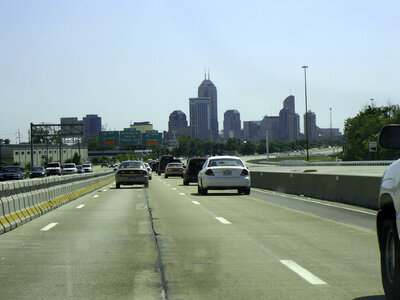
(305, 97)
(266, 144)
(330, 113)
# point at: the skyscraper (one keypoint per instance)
(311, 125)
(177, 121)
(204, 112)
(289, 121)
(91, 126)
(232, 124)
(200, 117)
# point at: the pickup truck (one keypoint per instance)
(388, 218)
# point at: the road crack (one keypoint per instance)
(159, 264)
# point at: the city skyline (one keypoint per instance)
(131, 60)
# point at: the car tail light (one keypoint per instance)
(181, 169)
(209, 172)
(169, 169)
(244, 172)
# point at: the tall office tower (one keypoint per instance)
(203, 111)
(177, 120)
(200, 117)
(232, 124)
(91, 126)
(289, 103)
(270, 125)
(250, 131)
(289, 121)
(311, 126)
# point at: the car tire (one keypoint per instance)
(117, 185)
(390, 259)
(159, 173)
(146, 185)
(165, 176)
(246, 191)
(185, 182)
(204, 191)
(199, 190)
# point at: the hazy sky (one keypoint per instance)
(133, 61)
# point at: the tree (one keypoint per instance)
(365, 128)
(93, 143)
(247, 148)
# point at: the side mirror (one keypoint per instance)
(389, 137)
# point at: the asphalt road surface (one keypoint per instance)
(167, 242)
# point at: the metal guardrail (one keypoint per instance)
(334, 163)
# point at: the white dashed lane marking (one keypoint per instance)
(222, 220)
(195, 202)
(80, 206)
(182, 194)
(95, 196)
(305, 274)
(48, 227)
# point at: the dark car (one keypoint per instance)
(164, 161)
(36, 172)
(194, 165)
(12, 173)
(154, 166)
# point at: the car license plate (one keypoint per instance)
(227, 173)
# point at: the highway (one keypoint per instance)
(167, 242)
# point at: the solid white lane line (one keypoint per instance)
(321, 203)
(222, 220)
(182, 194)
(48, 227)
(195, 202)
(95, 196)
(80, 206)
(104, 190)
(305, 274)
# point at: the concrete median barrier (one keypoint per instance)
(360, 191)
(22, 201)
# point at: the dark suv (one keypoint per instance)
(194, 165)
(164, 161)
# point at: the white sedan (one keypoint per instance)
(224, 173)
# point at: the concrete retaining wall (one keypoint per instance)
(24, 200)
(361, 191)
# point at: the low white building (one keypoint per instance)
(21, 153)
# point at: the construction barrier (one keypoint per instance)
(24, 200)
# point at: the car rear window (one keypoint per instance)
(197, 162)
(133, 164)
(175, 165)
(225, 162)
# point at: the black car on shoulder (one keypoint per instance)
(36, 172)
(12, 173)
(194, 165)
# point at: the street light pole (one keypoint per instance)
(305, 97)
(330, 116)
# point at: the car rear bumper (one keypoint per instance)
(222, 183)
(132, 180)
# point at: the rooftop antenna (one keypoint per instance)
(208, 73)
(205, 73)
